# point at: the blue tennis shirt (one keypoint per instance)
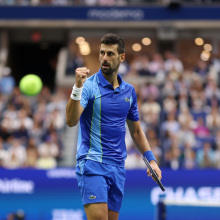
(102, 124)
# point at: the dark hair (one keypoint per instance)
(111, 38)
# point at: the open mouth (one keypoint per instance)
(105, 65)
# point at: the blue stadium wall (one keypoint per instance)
(53, 194)
(109, 13)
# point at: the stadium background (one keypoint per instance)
(172, 59)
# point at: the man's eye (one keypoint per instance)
(110, 54)
(102, 52)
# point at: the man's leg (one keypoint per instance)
(96, 211)
(112, 215)
(116, 193)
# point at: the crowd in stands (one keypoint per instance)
(178, 107)
(179, 111)
(107, 3)
(68, 2)
(31, 128)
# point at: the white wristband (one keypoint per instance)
(76, 93)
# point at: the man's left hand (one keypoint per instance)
(156, 169)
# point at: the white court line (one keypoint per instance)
(192, 203)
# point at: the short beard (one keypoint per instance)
(109, 71)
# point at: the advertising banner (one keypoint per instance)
(108, 13)
(54, 195)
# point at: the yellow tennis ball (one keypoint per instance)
(30, 85)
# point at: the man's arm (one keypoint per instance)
(141, 143)
(73, 112)
(73, 107)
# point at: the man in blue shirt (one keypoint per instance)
(104, 103)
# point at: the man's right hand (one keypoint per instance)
(81, 76)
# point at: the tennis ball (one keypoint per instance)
(30, 85)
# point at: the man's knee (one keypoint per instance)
(100, 215)
(97, 211)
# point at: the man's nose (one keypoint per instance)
(105, 56)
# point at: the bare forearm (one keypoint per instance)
(142, 144)
(141, 141)
(73, 107)
(73, 112)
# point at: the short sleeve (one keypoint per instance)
(86, 93)
(133, 111)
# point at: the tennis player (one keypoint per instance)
(103, 103)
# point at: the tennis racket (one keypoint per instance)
(153, 173)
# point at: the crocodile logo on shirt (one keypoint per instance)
(92, 197)
(127, 100)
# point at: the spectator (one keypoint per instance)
(45, 161)
(173, 66)
(6, 128)
(213, 119)
(32, 154)
(151, 110)
(124, 69)
(169, 89)
(206, 157)
(17, 155)
(21, 126)
(106, 2)
(58, 101)
(201, 130)
(48, 148)
(188, 157)
(3, 153)
(215, 68)
(169, 104)
(186, 136)
(156, 65)
(10, 112)
(37, 132)
(217, 152)
(140, 65)
(149, 91)
(54, 121)
(91, 2)
(171, 125)
(7, 82)
(212, 90)
(202, 69)
(134, 159)
(185, 117)
(172, 157)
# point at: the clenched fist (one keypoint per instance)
(81, 76)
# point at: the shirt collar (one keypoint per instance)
(104, 82)
(102, 79)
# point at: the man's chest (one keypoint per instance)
(113, 104)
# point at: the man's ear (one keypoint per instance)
(122, 57)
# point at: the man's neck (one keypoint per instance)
(112, 79)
